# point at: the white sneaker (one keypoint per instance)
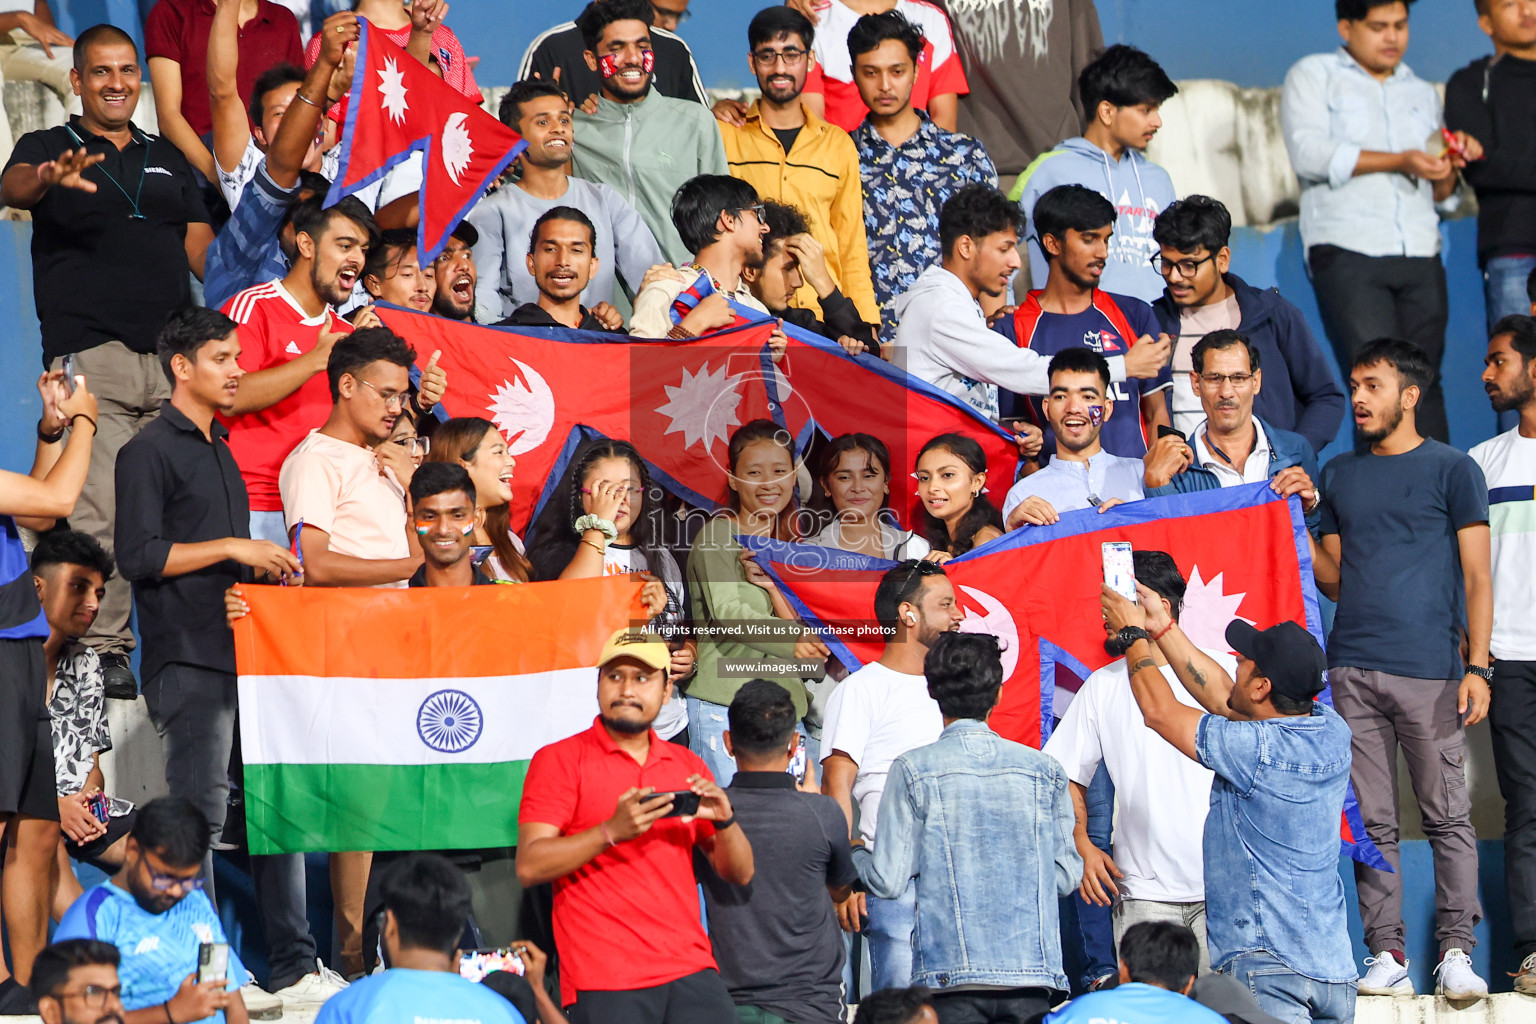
(314, 988)
(1525, 978)
(1457, 979)
(1387, 976)
(260, 1004)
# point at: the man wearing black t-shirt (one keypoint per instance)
(559, 50)
(1405, 551)
(117, 222)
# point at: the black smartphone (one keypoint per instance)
(69, 374)
(1164, 430)
(684, 801)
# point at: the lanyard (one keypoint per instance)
(137, 214)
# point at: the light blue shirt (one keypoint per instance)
(1331, 110)
(1071, 485)
(404, 996)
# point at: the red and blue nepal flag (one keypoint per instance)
(1243, 551)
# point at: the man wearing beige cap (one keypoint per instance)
(611, 816)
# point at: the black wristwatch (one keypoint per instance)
(1130, 634)
(1485, 674)
(721, 826)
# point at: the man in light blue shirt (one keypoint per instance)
(1081, 474)
(1364, 136)
(426, 904)
(1158, 961)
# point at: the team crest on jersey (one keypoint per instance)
(1102, 341)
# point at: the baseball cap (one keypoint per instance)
(467, 233)
(645, 647)
(1287, 655)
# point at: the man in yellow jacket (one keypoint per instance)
(790, 155)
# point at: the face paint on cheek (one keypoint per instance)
(421, 531)
(1096, 414)
(608, 64)
(468, 530)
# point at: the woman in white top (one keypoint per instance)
(853, 500)
(476, 445)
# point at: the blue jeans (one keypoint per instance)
(889, 935)
(1505, 292)
(707, 723)
(1292, 997)
(1087, 929)
(269, 526)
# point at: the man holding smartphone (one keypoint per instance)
(598, 819)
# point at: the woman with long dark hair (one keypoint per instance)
(853, 500)
(475, 444)
(951, 482)
(608, 487)
(737, 610)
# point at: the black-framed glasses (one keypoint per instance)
(1185, 268)
(756, 211)
(415, 447)
(916, 567)
(94, 996)
(792, 56)
(164, 883)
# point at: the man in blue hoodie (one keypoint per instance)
(1202, 295)
(1121, 93)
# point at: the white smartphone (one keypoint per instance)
(1119, 569)
(212, 962)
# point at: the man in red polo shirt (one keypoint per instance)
(597, 820)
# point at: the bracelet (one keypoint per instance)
(587, 522)
(82, 416)
(606, 837)
(53, 438)
(595, 547)
(166, 1006)
(305, 99)
(721, 826)
(1164, 631)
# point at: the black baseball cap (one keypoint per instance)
(1286, 654)
(466, 232)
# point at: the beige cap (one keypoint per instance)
(646, 648)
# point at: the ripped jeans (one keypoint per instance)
(707, 723)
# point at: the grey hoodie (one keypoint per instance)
(1140, 191)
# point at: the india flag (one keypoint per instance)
(405, 719)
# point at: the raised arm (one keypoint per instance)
(59, 469)
(1166, 715)
(231, 128)
(286, 151)
(165, 74)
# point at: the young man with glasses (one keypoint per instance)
(75, 982)
(1231, 446)
(790, 155)
(1203, 295)
(154, 910)
(1075, 225)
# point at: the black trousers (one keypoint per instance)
(1513, 721)
(1363, 298)
(1006, 1006)
(698, 998)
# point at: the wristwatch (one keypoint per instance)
(1485, 674)
(1130, 634)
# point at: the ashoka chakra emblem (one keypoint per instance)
(449, 721)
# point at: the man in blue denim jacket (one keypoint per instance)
(1275, 916)
(985, 826)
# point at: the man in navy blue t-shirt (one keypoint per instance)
(1074, 226)
(1405, 551)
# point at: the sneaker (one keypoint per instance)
(1388, 975)
(1457, 980)
(315, 987)
(117, 678)
(1525, 978)
(260, 1004)
(1104, 983)
(16, 999)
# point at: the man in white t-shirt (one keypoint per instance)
(879, 713)
(1509, 463)
(1157, 866)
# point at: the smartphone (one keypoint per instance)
(475, 964)
(212, 961)
(100, 807)
(69, 374)
(797, 763)
(684, 801)
(1119, 570)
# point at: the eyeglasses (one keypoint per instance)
(95, 996)
(395, 398)
(662, 14)
(917, 567)
(756, 211)
(1185, 268)
(416, 447)
(790, 55)
(165, 883)
(1215, 380)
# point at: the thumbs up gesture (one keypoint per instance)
(434, 383)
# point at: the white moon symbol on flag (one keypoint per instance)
(996, 621)
(456, 145)
(523, 411)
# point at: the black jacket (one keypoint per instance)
(531, 314)
(1496, 105)
(842, 317)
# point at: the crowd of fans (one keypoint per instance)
(223, 408)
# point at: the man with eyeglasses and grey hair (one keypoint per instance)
(1231, 446)
(877, 714)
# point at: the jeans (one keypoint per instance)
(1513, 720)
(1190, 915)
(1007, 1006)
(1293, 998)
(1505, 292)
(1095, 928)
(889, 935)
(707, 723)
(269, 526)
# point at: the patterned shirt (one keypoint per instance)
(78, 710)
(904, 188)
(248, 251)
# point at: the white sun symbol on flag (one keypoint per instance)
(457, 148)
(703, 406)
(1207, 611)
(392, 88)
(523, 410)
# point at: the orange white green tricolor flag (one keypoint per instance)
(405, 719)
